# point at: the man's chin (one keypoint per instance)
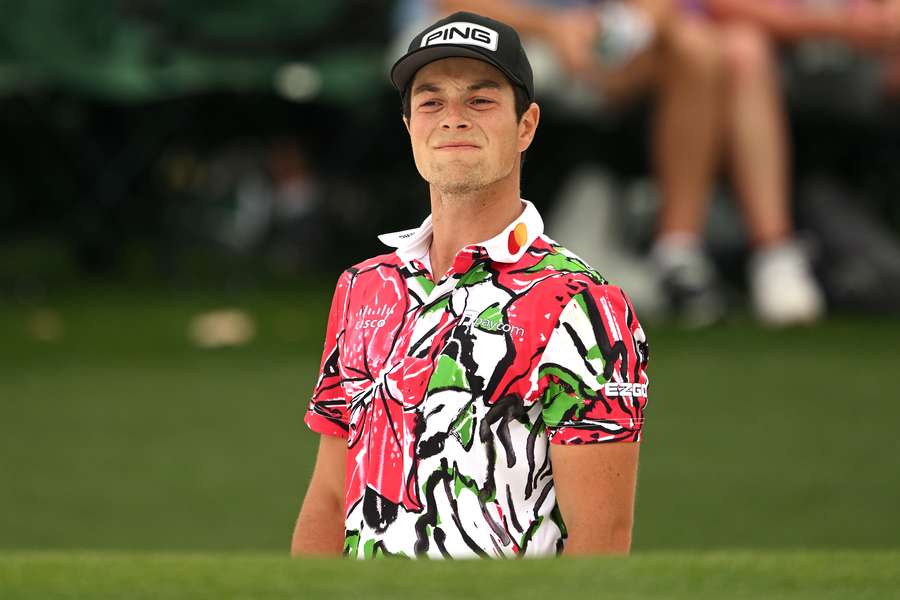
(457, 181)
(464, 186)
(457, 165)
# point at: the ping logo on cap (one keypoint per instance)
(460, 32)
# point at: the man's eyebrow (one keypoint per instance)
(481, 84)
(485, 83)
(426, 87)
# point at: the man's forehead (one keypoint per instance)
(459, 71)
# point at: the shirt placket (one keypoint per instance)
(467, 259)
(462, 263)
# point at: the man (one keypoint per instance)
(470, 376)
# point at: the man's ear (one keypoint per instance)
(528, 126)
(406, 122)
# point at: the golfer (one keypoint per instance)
(482, 389)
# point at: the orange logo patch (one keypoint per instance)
(517, 238)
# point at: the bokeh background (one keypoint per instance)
(181, 184)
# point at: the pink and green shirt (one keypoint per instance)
(450, 392)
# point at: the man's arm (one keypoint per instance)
(866, 24)
(571, 31)
(528, 19)
(524, 18)
(787, 23)
(320, 526)
(595, 487)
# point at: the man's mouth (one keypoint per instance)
(457, 146)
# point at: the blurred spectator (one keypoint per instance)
(253, 197)
(754, 133)
(842, 58)
(713, 88)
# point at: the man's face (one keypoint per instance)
(463, 126)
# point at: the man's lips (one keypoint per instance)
(457, 146)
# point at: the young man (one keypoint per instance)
(481, 389)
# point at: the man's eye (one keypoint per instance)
(482, 101)
(429, 103)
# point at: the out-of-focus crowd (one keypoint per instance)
(688, 149)
(714, 72)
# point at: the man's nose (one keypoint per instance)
(455, 117)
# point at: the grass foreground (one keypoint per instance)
(119, 433)
(720, 575)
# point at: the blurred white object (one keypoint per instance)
(624, 31)
(782, 287)
(45, 325)
(298, 81)
(587, 219)
(688, 281)
(220, 328)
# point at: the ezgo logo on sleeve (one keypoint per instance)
(627, 390)
(461, 32)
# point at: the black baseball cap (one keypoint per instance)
(468, 35)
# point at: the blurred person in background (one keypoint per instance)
(716, 101)
(755, 35)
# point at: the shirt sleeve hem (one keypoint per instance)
(584, 437)
(591, 442)
(325, 426)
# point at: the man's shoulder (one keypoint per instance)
(349, 278)
(581, 277)
(549, 261)
(389, 260)
(550, 279)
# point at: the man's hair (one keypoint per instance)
(521, 101)
(521, 105)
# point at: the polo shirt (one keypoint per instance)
(450, 393)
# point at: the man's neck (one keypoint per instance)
(459, 220)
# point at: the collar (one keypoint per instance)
(508, 246)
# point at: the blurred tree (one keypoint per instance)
(94, 92)
(152, 49)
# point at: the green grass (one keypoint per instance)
(123, 436)
(721, 575)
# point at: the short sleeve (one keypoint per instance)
(328, 411)
(592, 379)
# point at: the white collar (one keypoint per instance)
(508, 246)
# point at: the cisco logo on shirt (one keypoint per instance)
(372, 318)
(461, 32)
